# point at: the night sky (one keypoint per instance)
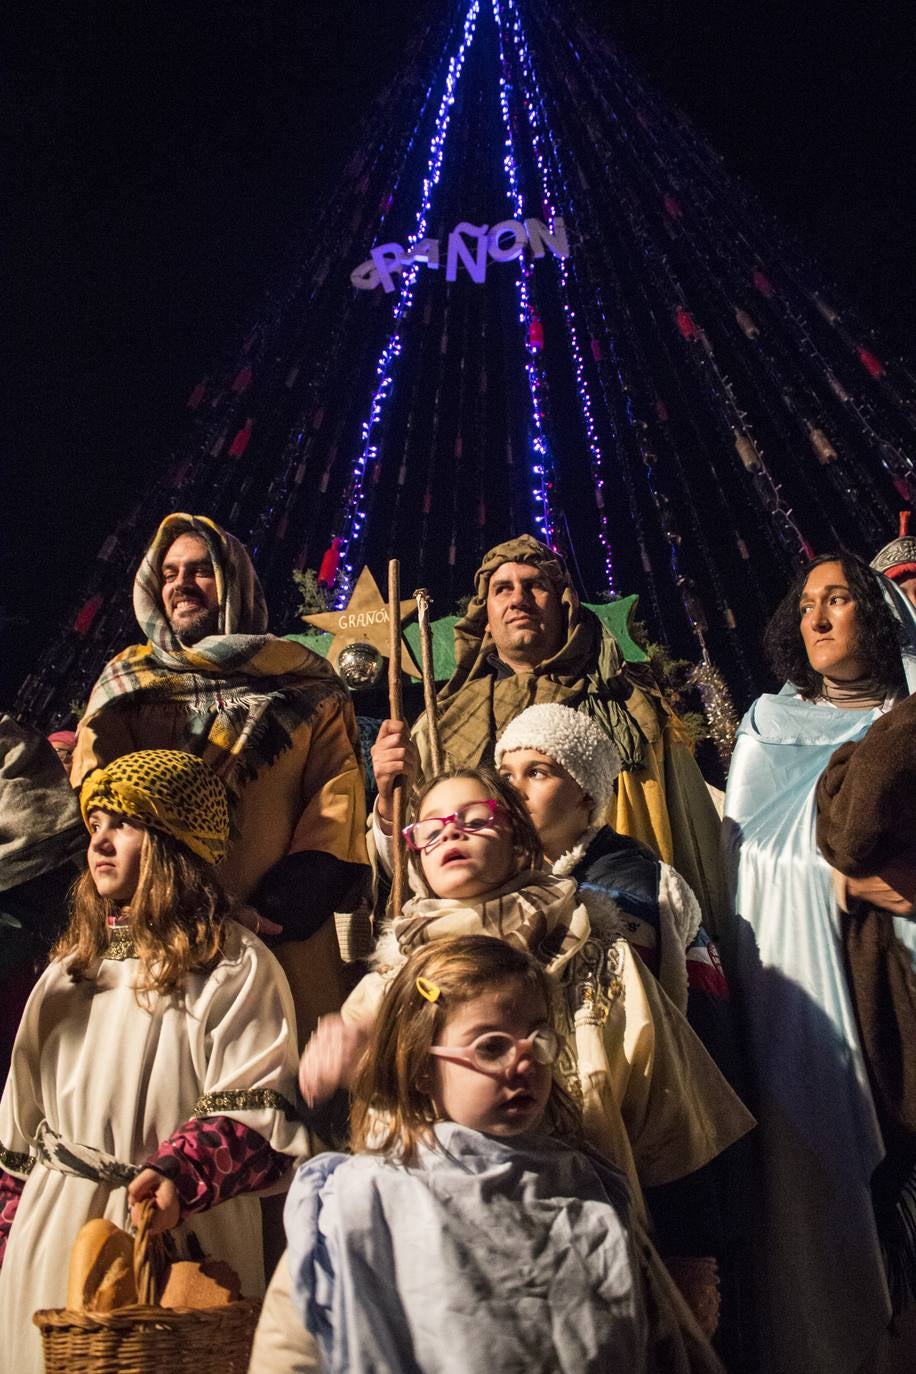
(167, 156)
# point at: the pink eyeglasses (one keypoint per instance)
(496, 1053)
(424, 835)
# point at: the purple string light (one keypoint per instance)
(354, 514)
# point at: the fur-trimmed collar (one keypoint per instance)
(387, 953)
(564, 865)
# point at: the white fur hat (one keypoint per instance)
(573, 740)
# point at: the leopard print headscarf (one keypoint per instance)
(166, 790)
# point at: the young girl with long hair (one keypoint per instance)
(460, 1235)
(156, 1056)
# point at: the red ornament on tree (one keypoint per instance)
(87, 614)
(763, 284)
(535, 334)
(327, 573)
(241, 440)
(686, 324)
(672, 207)
(242, 380)
(197, 395)
(873, 366)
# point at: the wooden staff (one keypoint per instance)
(422, 598)
(396, 712)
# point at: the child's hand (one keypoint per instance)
(330, 1057)
(150, 1184)
(394, 755)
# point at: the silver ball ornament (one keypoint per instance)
(360, 665)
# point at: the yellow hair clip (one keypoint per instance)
(431, 991)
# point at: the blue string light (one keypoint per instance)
(354, 514)
(534, 107)
(541, 465)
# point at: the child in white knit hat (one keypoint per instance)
(563, 765)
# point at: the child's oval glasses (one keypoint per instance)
(495, 1052)
(476, 815)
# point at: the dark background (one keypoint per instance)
(167, 159)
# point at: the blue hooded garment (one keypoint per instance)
(826, 1295)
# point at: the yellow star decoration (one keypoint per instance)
(364, 621)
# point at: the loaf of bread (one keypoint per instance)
(101, 1275)
(210, 1283)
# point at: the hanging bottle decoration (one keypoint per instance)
(241, 440)
(828, 312)
(747, 452)
(535, 335)
(837, 387)
(219, 443)
(197, 395)
(763, 284)
(686, 324)
(873, 366)
(823, 449)
(242, 380)
(327, 572)
(747, 324)
(86, 615)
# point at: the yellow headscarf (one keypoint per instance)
(166, 790)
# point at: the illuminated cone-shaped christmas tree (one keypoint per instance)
(573, 323)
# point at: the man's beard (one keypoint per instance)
(191, 630)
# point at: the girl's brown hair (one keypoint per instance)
(392, 1112)
(175, 917)
(528, 848)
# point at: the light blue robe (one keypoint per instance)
(486, 1255)
(826, 1297)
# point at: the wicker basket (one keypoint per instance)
(145, 1338)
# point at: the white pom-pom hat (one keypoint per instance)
(574, 741)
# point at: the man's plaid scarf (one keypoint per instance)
(248, 691)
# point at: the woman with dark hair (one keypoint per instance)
(846, 641)
(877, 635)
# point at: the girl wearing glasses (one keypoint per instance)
(461, 1235)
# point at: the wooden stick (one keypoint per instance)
(396, 712)
(422, 598)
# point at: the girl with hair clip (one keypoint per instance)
(464, 1235)
(156, 1055)
(652, 1100)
